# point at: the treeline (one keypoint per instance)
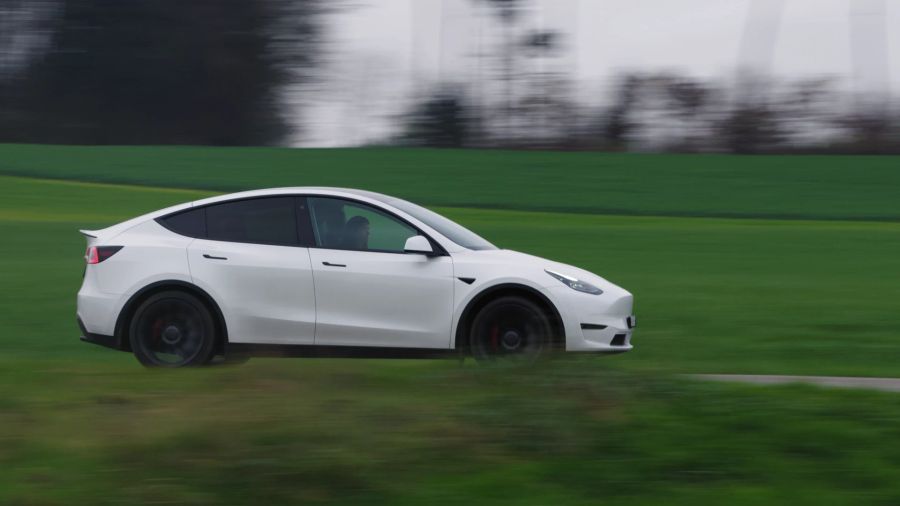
(154, 71)
(659, 112)
(528, 98)
(234, 72)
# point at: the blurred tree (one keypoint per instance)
(533, 100)
(167, 72)
(869, 132)
(508, 12)
(442, 120)
(688, 101)
(807, 109)
(23, 30)
(619, 124)
(548, 111)
(545, 106)
(751, 127)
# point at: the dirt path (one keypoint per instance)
(886, 384)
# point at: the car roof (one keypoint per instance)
(319, 190)
(363, 195)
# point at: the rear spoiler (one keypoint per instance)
(90, 236)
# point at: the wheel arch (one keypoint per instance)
(127, 312)
(461, 339)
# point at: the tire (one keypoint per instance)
(172, 329)
(510, 327)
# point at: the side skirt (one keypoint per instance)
(320, 351)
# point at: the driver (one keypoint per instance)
(356, 233)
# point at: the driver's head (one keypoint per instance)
(356, 233)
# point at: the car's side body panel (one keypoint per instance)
(382, 299)
(265, 291)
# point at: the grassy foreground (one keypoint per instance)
(311, 432)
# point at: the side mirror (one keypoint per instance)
(418, 244)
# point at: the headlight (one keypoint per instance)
(575, 283)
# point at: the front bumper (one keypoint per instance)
(607, 338)
(596, 323)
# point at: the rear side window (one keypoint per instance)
(191, 223)
(270, 220)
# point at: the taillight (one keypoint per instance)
(97, 254)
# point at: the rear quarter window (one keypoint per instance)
(190, 223)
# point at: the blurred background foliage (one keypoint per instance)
(247, 73)
(153, 71)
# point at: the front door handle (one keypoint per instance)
(211, 257)
(329, 264)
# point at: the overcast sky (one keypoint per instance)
(385, 50)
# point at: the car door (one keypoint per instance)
(252, 263)
(368, 291)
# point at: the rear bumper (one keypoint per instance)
(99, 339)
(98, 310)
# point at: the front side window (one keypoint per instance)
(270, 220)
(342, 224)
(444, 226)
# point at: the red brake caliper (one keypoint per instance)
(495, 333)
(157, 329)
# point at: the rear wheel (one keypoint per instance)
(172, 329)
(510, 328)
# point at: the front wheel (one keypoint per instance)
(510, 327)
(172, 329)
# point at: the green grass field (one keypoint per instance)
(806, 187)
(731, 293)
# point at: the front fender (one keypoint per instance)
(468, 296)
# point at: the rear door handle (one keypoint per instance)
(329, 264)
(211, 257)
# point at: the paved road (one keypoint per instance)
(886, 384)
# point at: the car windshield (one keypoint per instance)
(448, 228)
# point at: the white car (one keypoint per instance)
(332, 272)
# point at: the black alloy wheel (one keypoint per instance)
(172, 329)
(510, 327)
